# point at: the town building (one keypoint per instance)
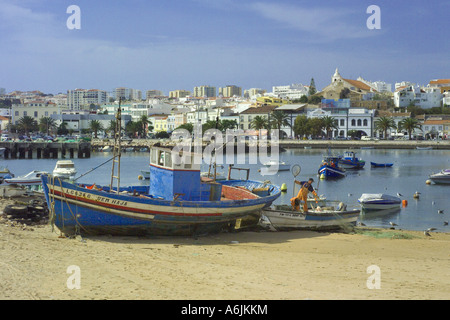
(153, 93)
(179, 94)
(341, 88)
(204, 91)
(36, 110)
(425, 97)
(81, 99)
(291, 92)
(230, 91)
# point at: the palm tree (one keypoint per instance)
(329, 123)
(95, 126)
(145, 124)
(259, 122)
(47, 124)
(134, 128)
(279, 119)
(27, 124)
(384, 124)
(410, 124)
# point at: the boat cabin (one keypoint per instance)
(176, 176)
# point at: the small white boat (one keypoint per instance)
(31, 179)
(424, 148)
(442, 177)
(379, 201)
(333, 216)
(145, 174)
(65, 169)
(281, 165)
(106, 149)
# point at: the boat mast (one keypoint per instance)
(116, 150)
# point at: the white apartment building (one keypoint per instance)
(403, 84)
(254, 92)
(293, 91)
(446, 99)
(358, 119)
(425, 97)
(80, 98)
(382, 86)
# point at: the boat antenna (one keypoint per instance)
(117, 152)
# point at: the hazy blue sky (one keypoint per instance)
(179, 44)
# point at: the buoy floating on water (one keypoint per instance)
(428, 182)
(322, 176)
(283, 187)
(140, 177)
(404, 203)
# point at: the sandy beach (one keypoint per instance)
(36, 263)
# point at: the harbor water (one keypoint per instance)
(408, 174)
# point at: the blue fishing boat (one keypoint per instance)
(350, 161)
(381, 165)
(330, 168)
(177, 201)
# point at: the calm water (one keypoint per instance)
(408, 175)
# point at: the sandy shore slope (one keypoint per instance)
(298, 265)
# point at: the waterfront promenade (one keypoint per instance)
(306, 144)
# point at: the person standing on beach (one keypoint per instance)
(303, 194)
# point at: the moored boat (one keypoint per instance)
(379, 201)
(277, 164)
(334, 215)
(65, 169)
(330, 168)
(381, 165)
(350, 161)
(31, 179)
(176, 202)
(442, 177)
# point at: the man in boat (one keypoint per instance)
(303, 194)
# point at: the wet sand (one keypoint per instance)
(294, 265)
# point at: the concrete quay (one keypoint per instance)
(46, 150)
(305, 144)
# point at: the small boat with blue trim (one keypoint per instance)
(442, 177)
(381, 165)
(33, 178)
(379, 201)
(330, 168)
(178, 201)
(350, 161)
(332, 215)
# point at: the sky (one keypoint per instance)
(179, 44)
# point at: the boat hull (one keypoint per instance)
(331, 172)
(379, 202)
(442, 177)
(348, 164)
(318, 221)
(78, 210)
(381, 165)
